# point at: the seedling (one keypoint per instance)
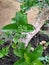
(14, 30)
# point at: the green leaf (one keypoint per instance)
(21, 45)
(27, 58)
(12, 27)
(16, 52)
(4, 52)
(18, 28)
(2, 42)
(28, 4)
(37, 52)
(1, 54)
(28, 48)
(21, 18)
(19, 51)
(35, 2)
(16, 37)
(37, 62)
(14, 45)
(30, 27)
(20, 62)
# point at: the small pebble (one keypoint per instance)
(43, 43)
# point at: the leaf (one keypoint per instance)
(2, 42)
(1, 54)
(12, 27)
(30, 27)
(35, 2)
(14, 45)
(16, 37)
(27, 58)
(28, 48)
(37, 52)
(26, 28)
(21, 45)
(37, 62)
(28, 4)
(18, 28)
(16, 52)
(19, 51)
(4, 52)
(20, 62)
(21, 18)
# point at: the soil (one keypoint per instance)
(11, 58)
